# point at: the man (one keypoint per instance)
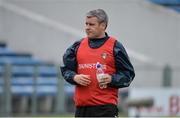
(80, 61)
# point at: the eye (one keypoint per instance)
(91, 24)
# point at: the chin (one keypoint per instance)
(90, 37)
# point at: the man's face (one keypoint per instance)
(93, 28)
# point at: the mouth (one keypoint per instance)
(88, 32)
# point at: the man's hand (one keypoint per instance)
(106, 78)
(82, 79)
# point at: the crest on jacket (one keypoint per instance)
(104, 55)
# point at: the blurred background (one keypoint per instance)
(34, 34)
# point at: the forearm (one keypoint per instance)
(121, 79)
(70, 64)
(68, 75)
(124, 69)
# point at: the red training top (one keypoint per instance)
(86, 59)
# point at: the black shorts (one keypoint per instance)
(97, 111)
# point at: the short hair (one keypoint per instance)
(100, 14)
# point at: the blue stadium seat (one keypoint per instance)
(29, 70)
(167, 2)
(19, 60)
(42, 90)
(22, 70)
(173, 4)
(48, 71)
(176, 8)
(5, 51)
(24, 86)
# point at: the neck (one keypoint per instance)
(100, 36)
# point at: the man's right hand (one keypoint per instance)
(82, 79)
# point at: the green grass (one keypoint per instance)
(71, 115)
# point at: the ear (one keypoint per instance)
(103, 25)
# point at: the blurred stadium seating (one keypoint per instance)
(172, 4)
(23, 73)
(27, 75)
(23, 69)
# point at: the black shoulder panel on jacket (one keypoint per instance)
(70, 65)
(124, 69)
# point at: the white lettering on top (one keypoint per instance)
(90, 66)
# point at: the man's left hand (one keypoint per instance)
(106, 78)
